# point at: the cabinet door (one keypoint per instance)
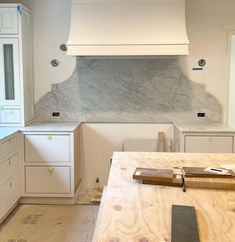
(8, 169)
(9, 194)
(8, 21)
(209, 144)
(48, 180)
(47, 148)
(9, 72)
(8, 147)
(10, 116)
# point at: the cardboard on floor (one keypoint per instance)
(50, 223)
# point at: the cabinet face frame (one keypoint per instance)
(16, 65)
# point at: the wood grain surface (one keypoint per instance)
(135, 212)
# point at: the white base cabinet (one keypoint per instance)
(204, 142)
(39, 166)
(9, 175)
(51, 166)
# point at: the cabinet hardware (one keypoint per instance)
(49, 137)
(50, 169)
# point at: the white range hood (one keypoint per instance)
(127, 28)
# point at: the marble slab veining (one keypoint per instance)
(133, 90)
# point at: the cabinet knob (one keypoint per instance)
(50, 169)
(49, 137)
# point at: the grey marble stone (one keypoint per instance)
(128, 90)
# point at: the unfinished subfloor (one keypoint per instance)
(50, 223)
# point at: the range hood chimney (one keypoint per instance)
(127, 28)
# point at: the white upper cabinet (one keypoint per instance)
(8, 21)
(16, 65)
(9, 72)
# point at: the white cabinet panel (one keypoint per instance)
(8, 21)
(48, 180)
(209, 144)
(8, 147)
(8, 169)
(9, 194)
(11, 116)
(47, 148)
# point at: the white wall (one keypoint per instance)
(51, 22)
(207, 24)
(99, 141)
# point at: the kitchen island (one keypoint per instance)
(131, 211)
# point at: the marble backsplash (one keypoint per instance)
(128, 90)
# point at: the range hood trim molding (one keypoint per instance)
(97, 31)
(125, 50)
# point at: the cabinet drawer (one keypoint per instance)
(8, 147)
(47, 148)
(8, 21)
(48, 180)
(8, 169)
(8, 195)
(10, 116)
(209, 144)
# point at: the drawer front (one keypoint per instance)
(10, 116)
(209, 144)
(8, 21)
(9, 195)
(8, 169)
(47, 148)
(8, 147)
(48, 180)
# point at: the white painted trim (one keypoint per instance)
(228, 63)
(127, 50)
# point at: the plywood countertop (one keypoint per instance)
(133, 212)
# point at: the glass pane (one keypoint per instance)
(9, 72)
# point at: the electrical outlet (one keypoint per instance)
(201, 115)
(56, 114)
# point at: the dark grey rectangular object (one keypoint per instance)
(184, 224)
